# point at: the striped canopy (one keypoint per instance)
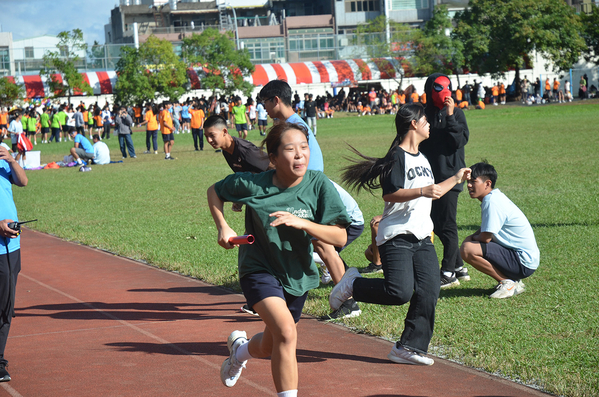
(352, 70)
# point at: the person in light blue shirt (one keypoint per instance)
(101, 151)
(504, 247)
(262, 117)
(11, 173)
(186, 118)
(82, 149)
(276, 96)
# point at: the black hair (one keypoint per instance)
(278, 88)
(215, 121)
(274, 135)
(485, 171)
(369, 172)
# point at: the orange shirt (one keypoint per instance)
(99, 122)
(547, 85)
(555, 86)
(495, 90)
(166, 121)
(84, 112)
(423, 99)
(502, 89)
(458, 95)
(415, 97)
(3, 118)
(137, 111)
(197, 118)
(152, 122)
(481, 104)
(402, 99)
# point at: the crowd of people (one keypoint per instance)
(284, 190)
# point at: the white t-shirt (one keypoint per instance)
(510, 227)
(252, 111)
(409, 171)
(101, 153)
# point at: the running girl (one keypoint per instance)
(284, 211)
(409, 261)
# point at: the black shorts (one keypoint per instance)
(263, 122)
(505, 260)
(241, 127)
(168, 137)
(30, 133)
(45, 130)
(353, 232)
(259, 286)
(65, 128)
(3, 126)
(186, 120)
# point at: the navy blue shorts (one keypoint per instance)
(505, 260)
(353, 232)
(259, 286)
(241, 127)
(263, 122)
(168, 137)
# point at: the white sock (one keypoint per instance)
(79, 162)
(243, 353)
(168, 155)
(288, 393)
(448, 274)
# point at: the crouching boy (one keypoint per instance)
(504, 247)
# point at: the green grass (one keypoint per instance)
(155, 210)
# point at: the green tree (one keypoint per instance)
(9, 92)
(222, 67)
(590, 33)
(133, 84)
(65, 62)
(435, 51)
(501, 34)
(153, 70)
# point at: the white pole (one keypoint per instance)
(135, 36)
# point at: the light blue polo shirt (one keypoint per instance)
(316, 161)
(84, 143)
(8, 210)
(510, 227)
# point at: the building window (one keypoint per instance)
(408, 4)
(28, 52)
(64, 50)
(4, 61)
(362, 6)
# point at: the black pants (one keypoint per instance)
(153, 135)
(444, 213)
(198, 134)
(411, 273)
(106, 133)
(10, 266)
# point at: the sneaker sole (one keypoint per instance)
(400, 360)
(464, 278)
(450, 285)
(244, 310)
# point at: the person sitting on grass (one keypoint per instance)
(504, 247)
(81, 149)
(101, 151)
(275, 279)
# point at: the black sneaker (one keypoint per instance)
(448, 281)
(372, 268)
(348, 309)
(4, 376)
(246, 309)
(462, 274)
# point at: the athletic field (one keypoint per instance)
(546, 157)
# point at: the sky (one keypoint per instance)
(31, 18)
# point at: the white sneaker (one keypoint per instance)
(505, 289)
(231, 369)
(520, 288)
(344, 289)
(326, 276)
(402, 355)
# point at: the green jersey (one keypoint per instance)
(31, 124)
(283, 251)
(239, 113)
(45, 120)
(55, 123)
(62, 116)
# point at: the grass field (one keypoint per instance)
(546, 157)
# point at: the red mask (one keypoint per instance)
(441, 90)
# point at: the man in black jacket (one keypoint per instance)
(445, 152)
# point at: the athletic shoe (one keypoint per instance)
(147, 152)
(401, 355)
(345, 289)
(348, 309)
(462, 274)
(84, 168)
(505, 289)
(155, 151)
(246, 309)
(4, 376)
(231, 369)
(372, 268)
(448, 281)
(326, 276)
(520, 287)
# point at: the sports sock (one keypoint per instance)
(79, 162)
(243, 353)
(448, 274)
(288, 393)
(168, 155)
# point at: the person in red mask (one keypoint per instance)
(445, 152)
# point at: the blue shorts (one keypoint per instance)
(241, 127)
(353, 232)
(263, 122)
(168, 137)
(505, 260)
(259, 286)
(186, 120)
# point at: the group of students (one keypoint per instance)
(284, 192)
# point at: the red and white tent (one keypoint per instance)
(351, 70)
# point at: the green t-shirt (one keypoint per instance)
(62, 116)
(90, 118)
(24, 122)
(239, 113)
(31, 124)
(45, 120)
(55, 121)
(282, 251)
